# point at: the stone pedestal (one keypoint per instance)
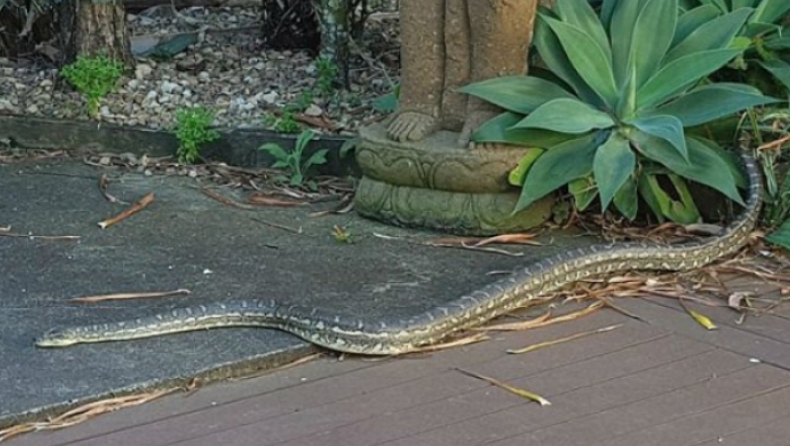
(436, 184)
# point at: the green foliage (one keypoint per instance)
(327, 74)
(192, 131)
(94, 78)
(765, 31)
(612, 112)
(294, 162)
(774, 159)
(285, 123)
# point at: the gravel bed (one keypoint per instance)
(227, 71)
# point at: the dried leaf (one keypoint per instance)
(520, 326)
(467, 340)
(104, 182)
(40, 237)
(122, 296)
(540, 345)
(263, 200)
(735, 299)
(279, 226)
(510, 239)
(225, 200)
(512, 389)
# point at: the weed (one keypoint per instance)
(94, 78)
(327, 73)
(292, 162)
(192, 131)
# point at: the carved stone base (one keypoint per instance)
(436, 184)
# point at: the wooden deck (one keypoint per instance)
(664, 381)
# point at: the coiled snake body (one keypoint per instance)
(401, 336)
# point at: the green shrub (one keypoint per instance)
(612, 109)
(94, 78)
(192, 131)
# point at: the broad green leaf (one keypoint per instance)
(626, 199)
(662, 205)
(770, 11)
(705, 165)
(778, 69)
(692, 20)
(520, 94)
(613, 164)
(584, 192)
(275, 150)
(557, 167)
(779, 43)
(607, 10)
(753, 30)
(588, 58)
(621, 31)
(566, 116)
(666, 127)
(651, 38)
(681, 74)
(553, 55)
(731, 159)
(645, 186)
(710, 102)
(781, 236)
(499, 130)
(316, 159)
(579, 13)
(736, 4)
(713, 35)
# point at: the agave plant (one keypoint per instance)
(765, 29)
(611, 111)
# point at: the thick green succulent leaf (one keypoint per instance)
(781, 236)
(588, 58)
(584, 192)
(770, 11)
(666, 127)
(705, 166)
(623, 21)
(692, 20)
(516, 176)
(713, 35)
(744, 4)
(499, 130)
(680, 74)
(613, 164)
(607, 10)
(683, 211)
(520, 94)
(646, 184)
(553, 55)
(711, 102)
(557, 167)
(781, 42)
(566, 116)
(731, 159)
(650, 39)
(626, 199)
(779, 69)
(754, 30)
(581, 14)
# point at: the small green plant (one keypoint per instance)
(293, 162)
(192, 131)
(285, 123)
(341, 234)
(94, 78)
(612, 115)
(327, 73)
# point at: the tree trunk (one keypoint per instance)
(335, 17)
(92, 29)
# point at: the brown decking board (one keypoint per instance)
(665, 381)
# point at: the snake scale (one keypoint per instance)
(401, 336)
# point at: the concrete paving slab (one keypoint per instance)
(187, 240)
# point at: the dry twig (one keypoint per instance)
(133, 209)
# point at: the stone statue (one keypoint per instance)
(417, 169)
(446, 44)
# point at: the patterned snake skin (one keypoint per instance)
(402, 336)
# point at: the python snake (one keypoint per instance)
(405, 335)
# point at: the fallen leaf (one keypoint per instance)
(509, 239)
(512, 389)
(735, 299)
(122, 296)
(540, 345)
(702, 320)
(520, 326)
(262, 200)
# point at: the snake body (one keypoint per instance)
(401, 336)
